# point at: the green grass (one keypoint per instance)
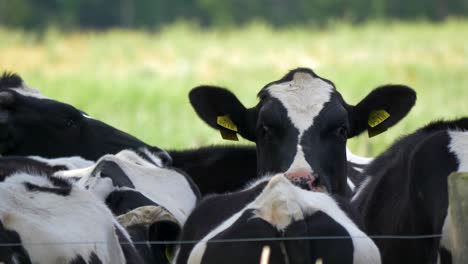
(139, 81)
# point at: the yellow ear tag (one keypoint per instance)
(228, 128)
(377, 117)
(226, 122)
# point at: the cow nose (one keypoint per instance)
(166, 159)
(305, 180)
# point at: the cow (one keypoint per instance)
(151, 202)
(406, 192)
(301, 124)
(45, 219)
(24, 109)
(274, 212)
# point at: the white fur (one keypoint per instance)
(303, 98)
(70, 163)
(165, 187)
(459, 146)
(280, 203)
(351, 184)
(361, 188)
(55, 220)
(25, 90)
(353, 158)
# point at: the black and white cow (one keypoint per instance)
(151, 202)
(44, 219)
(273, 207)
(302, 123)
(406, 192)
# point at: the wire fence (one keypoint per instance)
(232, 240)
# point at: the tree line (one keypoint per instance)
(152, 14)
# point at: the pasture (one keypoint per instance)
(139, 81)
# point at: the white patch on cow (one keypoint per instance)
(361, 188)
(164, 186)
(353, 158)
(350, 184)
(70, 163)
(281, 203)
(58, 220)
(25, 90)
(87, 116)
(303, 98)
(459, 146)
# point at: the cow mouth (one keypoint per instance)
(307, 182)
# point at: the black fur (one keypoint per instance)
(10, 80)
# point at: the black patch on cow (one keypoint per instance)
(94, 259)
(10, 80)
(78, 260)
(217, 169)
(129, 251)
(445, 256)
(123, 201)
(64, 191)
(13, 252)
(308, 251)
(110, 169)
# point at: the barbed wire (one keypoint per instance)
(230, 240)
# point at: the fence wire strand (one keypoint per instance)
(232, 240)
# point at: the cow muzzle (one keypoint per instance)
(306, 180)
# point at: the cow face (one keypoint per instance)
(32, 124)
(302, 123)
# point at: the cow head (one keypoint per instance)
(301, 124)
(32, 124)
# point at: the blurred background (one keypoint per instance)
(131, 63)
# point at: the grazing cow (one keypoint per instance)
(151, 202)
(301, 124)
(24, 109)
(44, 219)
(273, 207)
(406, 191)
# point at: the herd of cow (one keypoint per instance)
(76, 190)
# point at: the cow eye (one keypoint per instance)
(342, 133)
(69, 123)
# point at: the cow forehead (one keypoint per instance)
(303, 98)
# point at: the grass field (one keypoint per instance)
(139, 81)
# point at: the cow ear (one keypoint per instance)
(381, 109)
(221, 110)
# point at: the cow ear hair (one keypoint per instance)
(381, 109)
(211, 103)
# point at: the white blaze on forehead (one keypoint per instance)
(303, 98)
